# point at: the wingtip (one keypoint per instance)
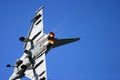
(39, 9)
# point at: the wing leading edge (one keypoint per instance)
(39, 71)
(36, 30)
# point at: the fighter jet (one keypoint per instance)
(37, 44)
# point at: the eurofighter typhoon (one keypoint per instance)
(33, 63)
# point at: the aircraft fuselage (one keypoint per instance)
(28, 59)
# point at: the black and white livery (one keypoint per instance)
(33, 63)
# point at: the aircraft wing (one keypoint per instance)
(36, 30)
(39, 70)
(60, 42)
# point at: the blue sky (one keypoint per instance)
(97, 22)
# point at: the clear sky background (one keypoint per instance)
(97, 22)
